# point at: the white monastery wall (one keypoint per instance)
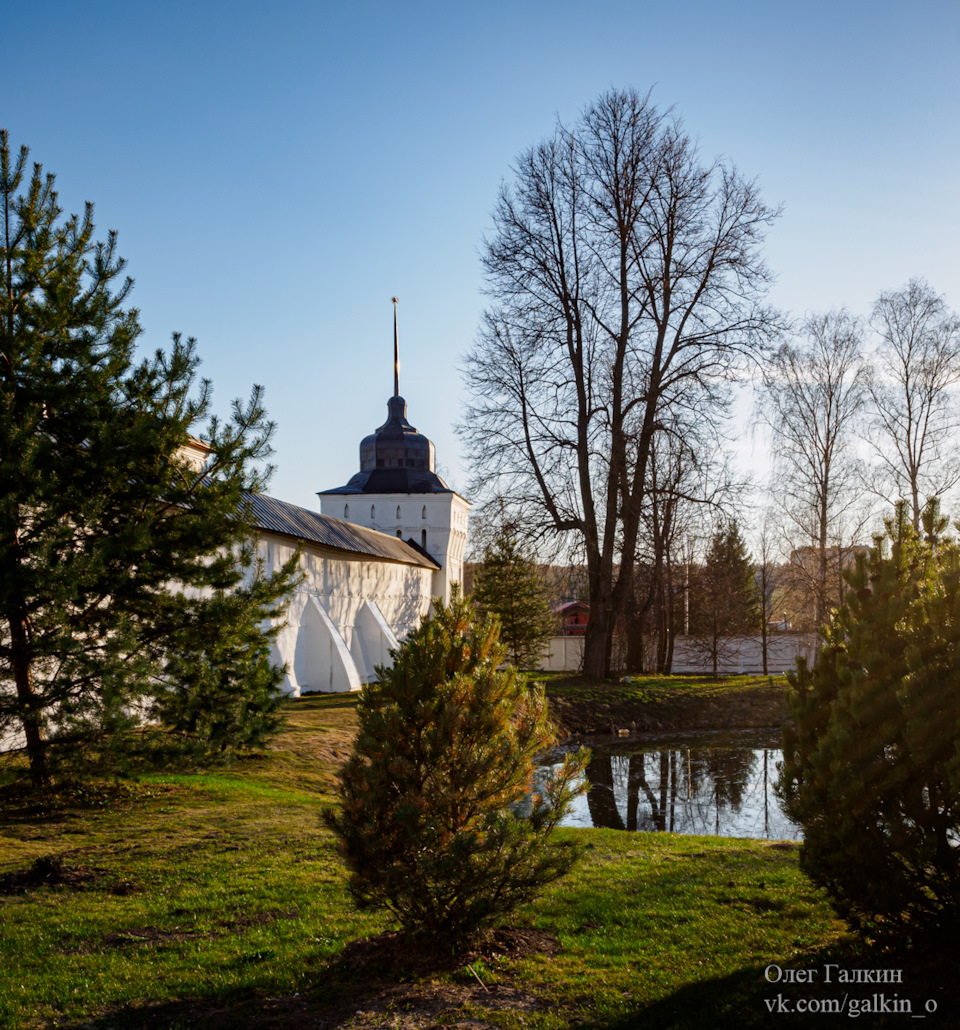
(437, 522)
(343, 619)
(360, 595)
(345, 616)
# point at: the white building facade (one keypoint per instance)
(373, 558)
(398, 492)
(362, 593)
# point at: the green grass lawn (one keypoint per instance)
(218, 900)
(653, 687)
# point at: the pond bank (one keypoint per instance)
(666, 704)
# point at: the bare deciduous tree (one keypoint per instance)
(812, 397)
(913, 389)
(625, 277)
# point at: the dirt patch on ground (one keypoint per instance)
(383, 963)
(433, 1005)
(396, 954)
(141, 935)
(54, 871)
(152, 936)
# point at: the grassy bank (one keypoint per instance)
(656, 704)
(217, 900)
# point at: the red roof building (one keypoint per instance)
(573, 616)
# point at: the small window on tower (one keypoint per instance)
(373, 511)
(398, 511)
(346, 511)
(423, 514)
(399, 534)
(423, 539)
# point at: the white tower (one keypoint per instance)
(398, 491)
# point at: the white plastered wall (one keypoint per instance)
(437, 522)
(345, 616)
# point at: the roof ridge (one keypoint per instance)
(273, 515)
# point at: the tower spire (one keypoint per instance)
(396, 353)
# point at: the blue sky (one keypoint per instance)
(278, 172)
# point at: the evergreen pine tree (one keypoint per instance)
(120, 562)
(871, 768)
(443, 762)
(725, 601)
(508, 585)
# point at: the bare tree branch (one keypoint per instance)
(914, 393)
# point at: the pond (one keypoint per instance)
(715, 785)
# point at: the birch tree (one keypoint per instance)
(813, 395)
(913, 390)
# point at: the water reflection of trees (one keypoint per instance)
(685, 790)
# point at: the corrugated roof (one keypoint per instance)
(291, 520)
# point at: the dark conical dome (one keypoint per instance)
(396, 459)
(396, 444)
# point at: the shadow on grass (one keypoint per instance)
(318, 700)
(386, 980)
(347, 995)
(333, 1000)
(21, 801)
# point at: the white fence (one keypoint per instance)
(737, 655)
(744, 655)
(564, 654)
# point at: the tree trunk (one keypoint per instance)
(670, 630)
(29, 702)
(634, 622)
(764, 633)
(595, 642)
(822, 570)
(664, 643)
(715, 647)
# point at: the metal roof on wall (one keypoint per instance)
(393, 481)
(275, 516)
